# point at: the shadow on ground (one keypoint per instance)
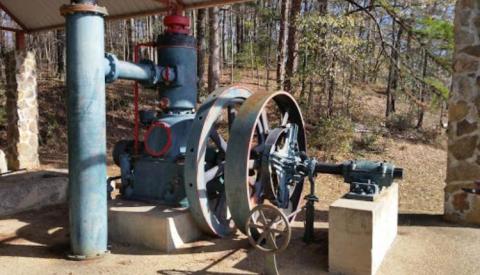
(44, 234)
(428, 220)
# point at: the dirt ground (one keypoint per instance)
(36, 243)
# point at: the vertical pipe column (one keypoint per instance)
(86, 128)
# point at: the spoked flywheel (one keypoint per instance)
(266, 141)
(205, 159)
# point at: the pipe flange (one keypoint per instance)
(80, 8)
(113, 74)
(155, 72)
(74, 257)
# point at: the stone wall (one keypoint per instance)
(464, 115)
(22, 111)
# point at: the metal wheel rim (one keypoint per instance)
(238, 151)
(195, 185)
(254, 240)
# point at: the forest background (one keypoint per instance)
(372, 76)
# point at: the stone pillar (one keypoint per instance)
(464, 117)
(22, 110)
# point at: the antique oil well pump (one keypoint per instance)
(238, 150)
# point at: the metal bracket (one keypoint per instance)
(365, 191)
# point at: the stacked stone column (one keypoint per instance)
(464, 115)
(22, 110)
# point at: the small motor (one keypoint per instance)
(366, 178)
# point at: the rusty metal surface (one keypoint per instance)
(240, 145)
(200, 134)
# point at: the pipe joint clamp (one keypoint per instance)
(155, 72)
(83, 8)
(113, 73)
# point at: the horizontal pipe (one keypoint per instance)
(327, 168)
(138, 72)
(144, 72)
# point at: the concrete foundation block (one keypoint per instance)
(152, 226)
(30, 190)
(362, 232)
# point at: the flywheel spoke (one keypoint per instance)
(277, 231)
(264, 122)
(218, 140)
(257, 226)
(214, 172)
(262, 237)
(263, 219)
(232, 113)
(272, 240)
(285, 118)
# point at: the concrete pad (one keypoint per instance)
(28, 190)
(362, 232)
(152, 226)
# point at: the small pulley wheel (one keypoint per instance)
(205, 160)
(253, 135)
(274, 231)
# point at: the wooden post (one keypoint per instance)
(20, 41)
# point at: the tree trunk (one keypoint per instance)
(232, 49)
(60, 53)
(3, 51)
(267, 57)
(330, 83)
(393, 73)
(292, 45)
(304, 76)
(421, 111)
(200, 24)
(282, 44)
(323, 7)
(239, 28)
(223, 39)
(214, 51)
(130, 39)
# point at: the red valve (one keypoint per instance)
(177, 24)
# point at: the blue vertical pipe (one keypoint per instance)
(86, 132)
